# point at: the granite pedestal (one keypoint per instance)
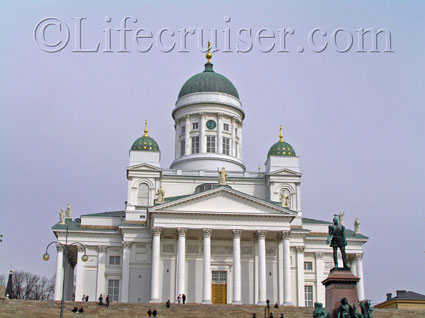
(339, 284)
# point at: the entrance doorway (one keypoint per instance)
(219, 287)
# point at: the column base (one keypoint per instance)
(262, 303)
(206, 302)
(154, 301)
(288, 304)
(237, 303)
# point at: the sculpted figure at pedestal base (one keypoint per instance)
(319, 311)
(345, 310)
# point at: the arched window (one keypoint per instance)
(143, 195)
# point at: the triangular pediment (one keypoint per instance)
(144, 167)
(285, 172)
(222, 200)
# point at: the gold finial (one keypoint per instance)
(11, 270)
(209, 54)
(281, 135)
(146, 128)
(259, 170)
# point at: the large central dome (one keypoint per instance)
(208, 81)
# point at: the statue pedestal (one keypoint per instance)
(339, 284)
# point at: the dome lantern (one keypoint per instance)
(281, 148)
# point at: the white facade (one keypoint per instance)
(233, 243)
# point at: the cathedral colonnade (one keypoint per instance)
(284, 282)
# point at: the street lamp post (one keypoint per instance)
(65, 246)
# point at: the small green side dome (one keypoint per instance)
(281, 148)
(145, 143)
(208, 81)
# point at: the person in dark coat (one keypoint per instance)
(168, 303)
(108, 301)
(87, 298)
(81, 310)
(154, 313)
(149, 312)
(184, 298)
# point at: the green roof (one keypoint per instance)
(145, 143)
(282, 149)
(74, 225)
(208, 81)
(106, 214)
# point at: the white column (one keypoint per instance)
(237, 294)
(101, 260)
(280, 271)
(188, 141)
(59, 273)
(177, 140)
(181, 261)
(353, 264)
(219, 134)
(202, 138)
(298, 187)
(80, 274)
(360, 284)
(126, 246)
(262, 289)
(206, 295)
(240, 140)
(233, 143)
(255, 241)
(320, 268)
(300, 276)
(287, 268)
(156, 244)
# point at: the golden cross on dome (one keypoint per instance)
(281, 135)
(146, 128)
(209, 54)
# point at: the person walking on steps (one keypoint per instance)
(184, 298)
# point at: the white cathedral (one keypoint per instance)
(205, 227)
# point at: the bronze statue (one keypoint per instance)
(319, 311)
(345, 310)
(337, 233)
(366, 308)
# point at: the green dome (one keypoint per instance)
(208, 81)
(145, 143)
(283, 149)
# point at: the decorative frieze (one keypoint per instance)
(168, 247)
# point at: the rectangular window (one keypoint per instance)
(226, 127)
(182, 147)
(113, 289)
(211, 144)
(219, 276)
(183, 128)
(195, 126)
(226, 146)
(195, 144)
(114, 260)
(308, 293)
(308, 266)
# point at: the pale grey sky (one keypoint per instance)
(356, 120)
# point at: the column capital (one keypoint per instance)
(102, 248)
(319, 255)
(237, 233)
(261, 233)
(359, 256)
(202, 114)
(126, 244)
(156, 231)
(59, 247)
(286, 235)
(206, 232)
(181, 231)
(300, 249)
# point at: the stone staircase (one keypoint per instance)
(51, 309)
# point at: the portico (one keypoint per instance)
(253, 222)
